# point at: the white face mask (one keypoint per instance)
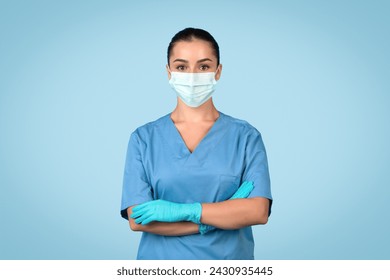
(194, 89)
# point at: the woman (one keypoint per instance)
(195, 180)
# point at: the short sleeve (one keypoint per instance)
(256, 167)
(136, 188)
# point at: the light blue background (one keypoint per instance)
(77, 77)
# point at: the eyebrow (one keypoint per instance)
(186, 61)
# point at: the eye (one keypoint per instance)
(204, 67)
(180, 68)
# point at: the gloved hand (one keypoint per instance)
(243, 192)
(166, 211)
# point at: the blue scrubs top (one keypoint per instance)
(160, 166)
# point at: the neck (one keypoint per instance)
(184, 113)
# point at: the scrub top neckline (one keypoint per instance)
(181, 142)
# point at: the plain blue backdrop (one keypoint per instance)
(77, 77)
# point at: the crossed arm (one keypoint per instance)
(229, 214)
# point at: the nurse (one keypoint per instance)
(195, 180)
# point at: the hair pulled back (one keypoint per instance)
(189, 34)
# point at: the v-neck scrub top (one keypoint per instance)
(160, 166)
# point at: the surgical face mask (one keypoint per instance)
(193, 89)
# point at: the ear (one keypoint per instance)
(218, 72)
(169, 72)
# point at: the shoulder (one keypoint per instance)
(147, 130)
(244, 132)
(239, 125)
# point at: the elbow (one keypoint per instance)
(134, 226)
(261, 208)
(258, 219)
(262, 219)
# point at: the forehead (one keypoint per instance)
(192, 49)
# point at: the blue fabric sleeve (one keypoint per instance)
(256, 167)
(136, 188)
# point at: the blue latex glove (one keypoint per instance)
(243, 192)
(166, 211)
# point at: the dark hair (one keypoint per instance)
(189, 34)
